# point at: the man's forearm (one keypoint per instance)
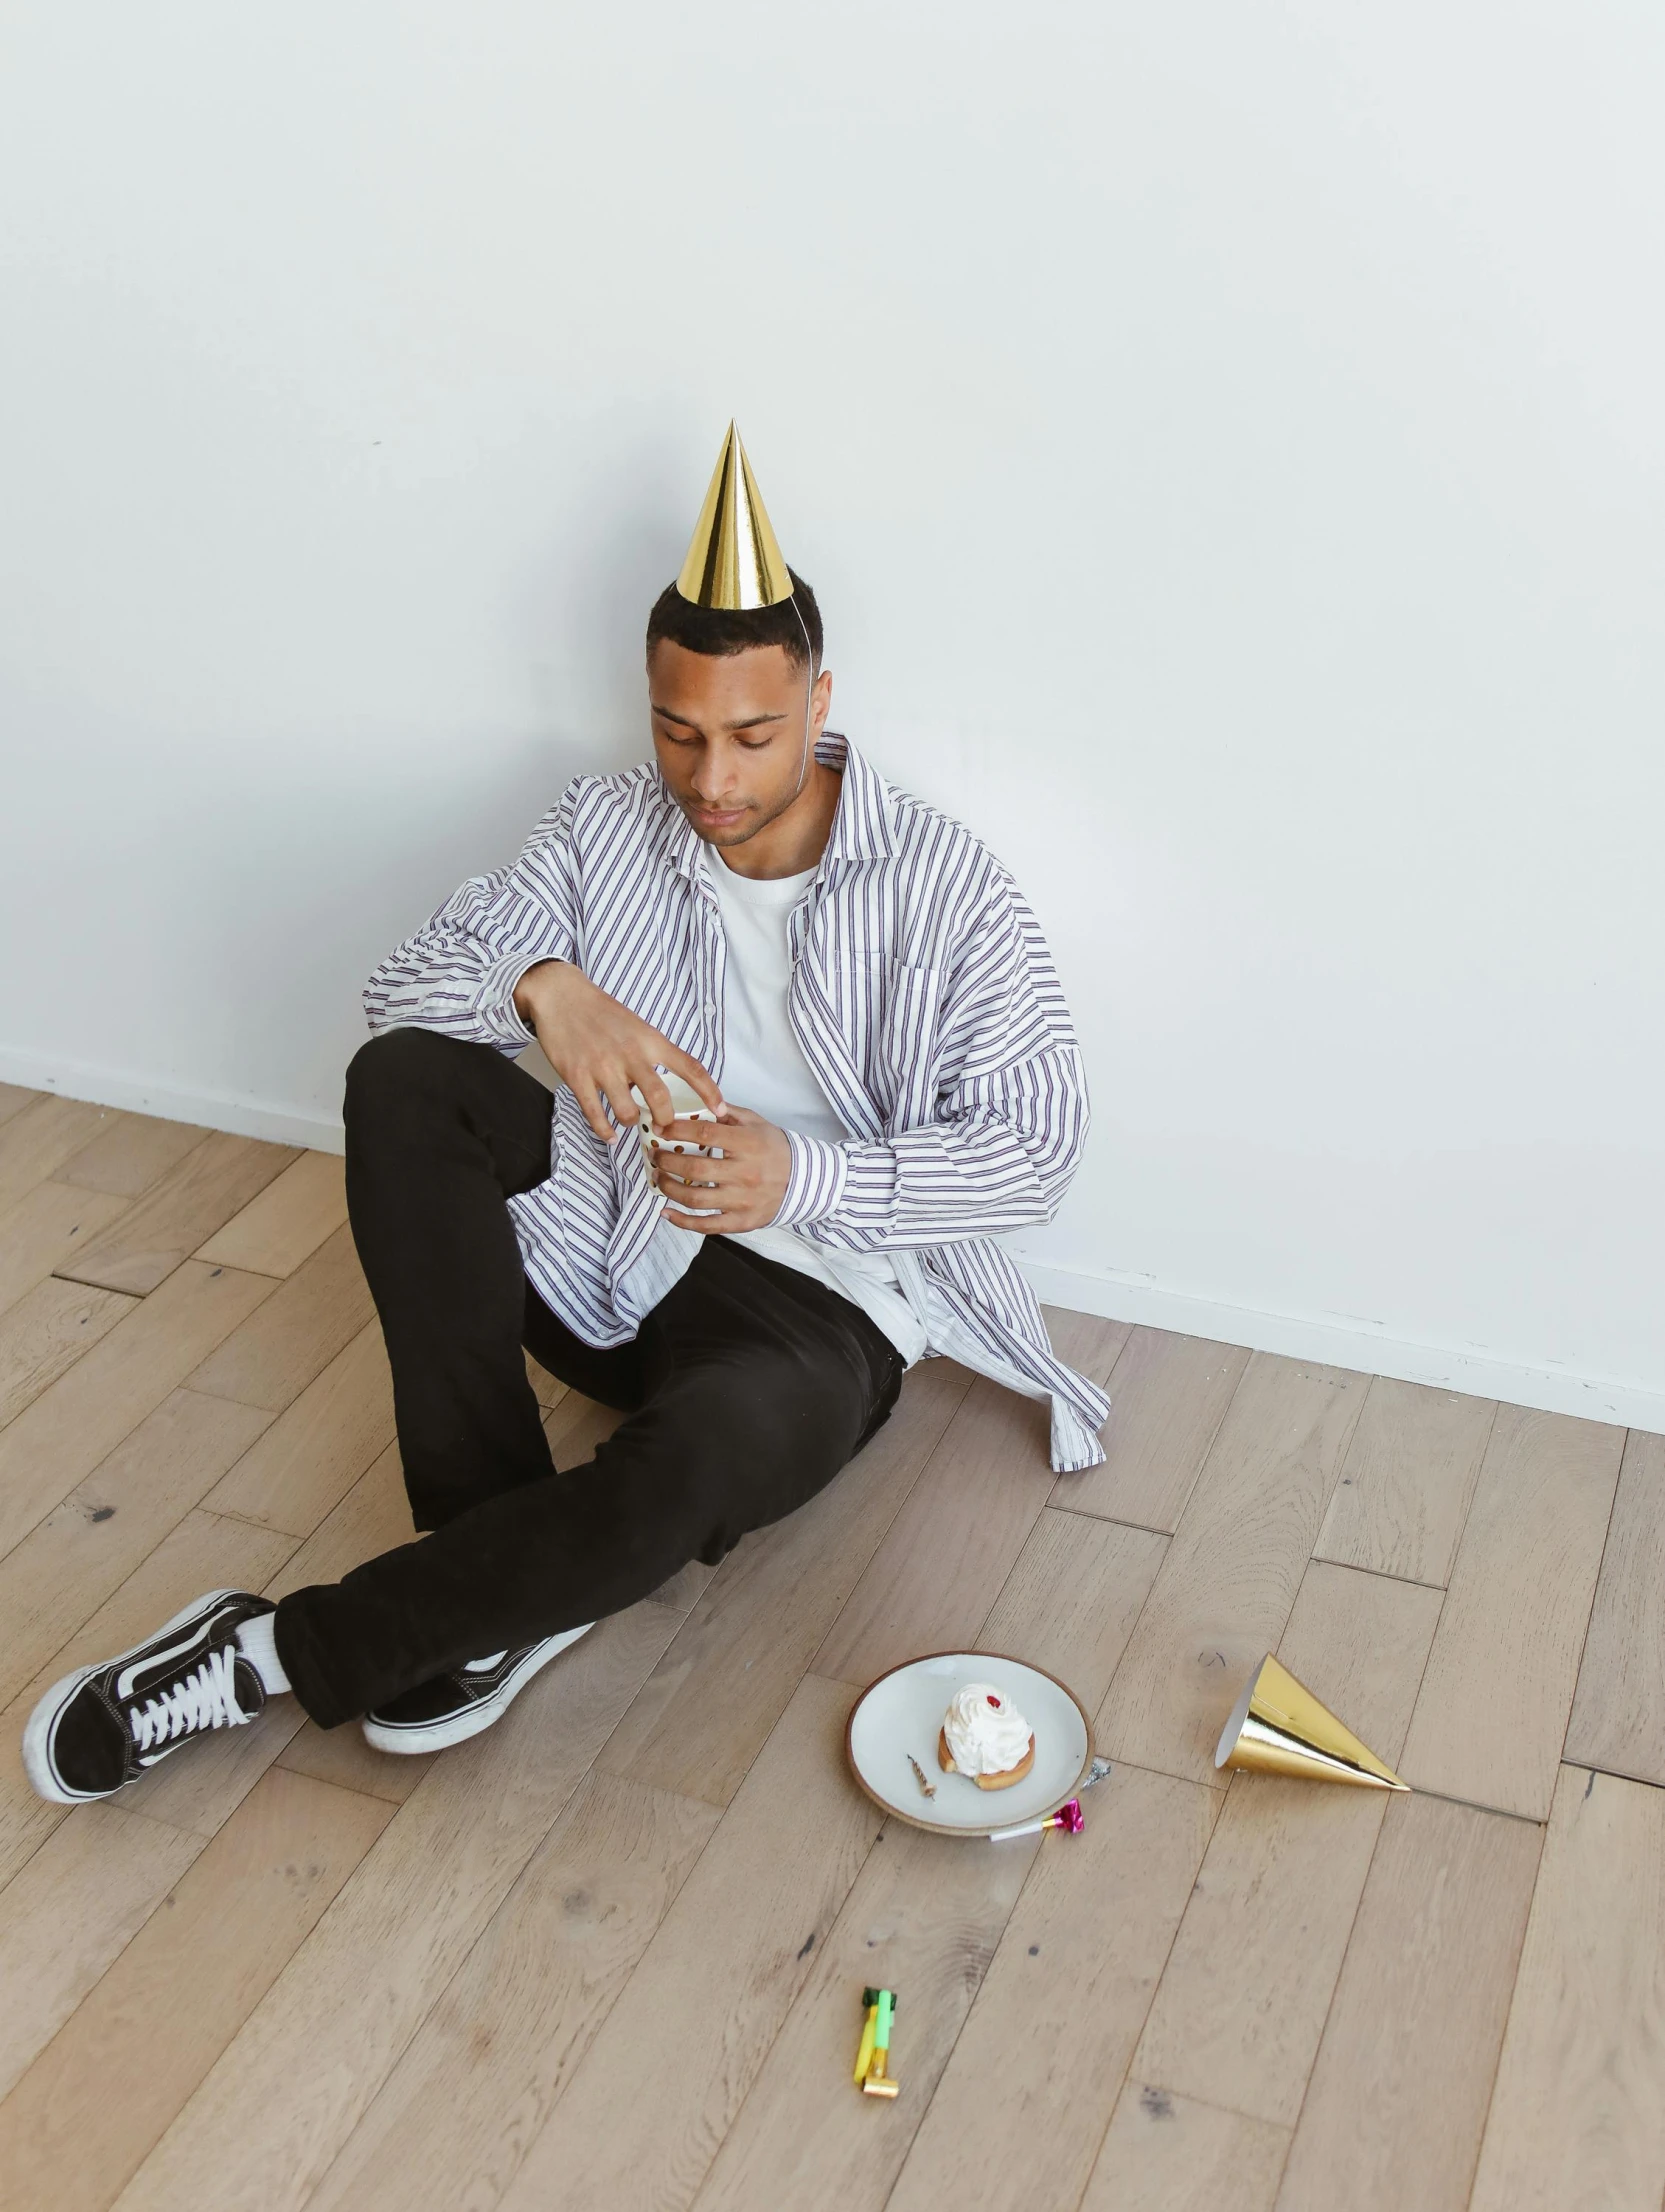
(526, 996)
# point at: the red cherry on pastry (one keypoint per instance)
(995, 1702)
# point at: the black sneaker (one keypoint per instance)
(455, 1706)
(102, 1727)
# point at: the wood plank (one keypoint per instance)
(1026, 2098)
(46, 1332)
(1224, 1592)
(931, 1582)
(35, 1142)
(490, 2061)
(341, 1755)
(65, 1568)
(735, 1662)
(372, 1518)
(575, 1425)
(923, 1919)
(193, 1199)
(546, 1389)
(102, 2092)
(45, 1229)
(1174, 2154)
(1406, 1483)
(686, 1587)
(1492, 1717)
(647, 2109)
(1577, 2116)
(1087, 1342)
(306, 1321)
(14, 1097)
(1244, 1996)
(58, 1441)
(316, 1449)
(74, 1908)
(350, 2000)
(1170, 1397)
(202, 1553)
(287, 1222)
(1618, 1715)
(1360, 1642)
(1070, 1603)
(130, 1153)
(1398, 2095)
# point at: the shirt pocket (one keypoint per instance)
(904, 1043)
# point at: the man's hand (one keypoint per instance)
(599, 1049)
(745, 1187)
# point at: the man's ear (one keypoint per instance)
(822, 701)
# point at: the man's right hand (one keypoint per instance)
(599, 1048)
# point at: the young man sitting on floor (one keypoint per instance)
(856, 990)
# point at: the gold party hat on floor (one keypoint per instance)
(734, 561)
(1279, 1727)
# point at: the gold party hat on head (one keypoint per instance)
(734, 561)
(1279, 1727)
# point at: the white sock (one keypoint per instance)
(258, 1644)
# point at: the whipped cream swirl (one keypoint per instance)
(986, 1732)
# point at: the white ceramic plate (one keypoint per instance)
(902, 1713)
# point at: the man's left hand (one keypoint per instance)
(745, 1187)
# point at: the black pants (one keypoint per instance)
(747, 1389)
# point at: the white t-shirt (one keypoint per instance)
(764, 1068)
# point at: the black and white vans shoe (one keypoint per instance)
(102, 1727)
(455, 1706)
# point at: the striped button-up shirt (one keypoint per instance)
(925, 1002)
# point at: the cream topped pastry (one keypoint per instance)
(985, 1737)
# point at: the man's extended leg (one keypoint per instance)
(753, 1385)
(439, 1135)
(760, 1384)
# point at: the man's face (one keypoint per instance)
(729, 735)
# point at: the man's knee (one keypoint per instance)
(397, 1066)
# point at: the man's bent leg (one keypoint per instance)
(440, 1133)
(762, 1384)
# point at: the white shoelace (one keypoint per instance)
(205, 1698)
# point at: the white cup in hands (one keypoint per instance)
(686, 1105)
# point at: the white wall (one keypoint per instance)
(1227, 441)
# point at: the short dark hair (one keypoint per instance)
(716, 631)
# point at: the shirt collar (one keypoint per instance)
(863, 827)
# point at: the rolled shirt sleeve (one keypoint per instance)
(459, 972)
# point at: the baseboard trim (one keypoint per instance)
(234, 1111)
(1117, 1298)
(1354, 1345)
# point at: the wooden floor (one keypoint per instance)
(610, 1955)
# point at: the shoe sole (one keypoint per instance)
(439, 1735)
(37, 1734)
